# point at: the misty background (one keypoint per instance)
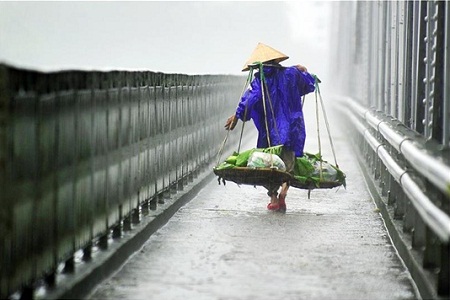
(198, 37)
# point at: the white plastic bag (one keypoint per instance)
(265, 160)
(328, 172)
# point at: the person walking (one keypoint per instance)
(277, 114)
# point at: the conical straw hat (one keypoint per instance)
(264, 53)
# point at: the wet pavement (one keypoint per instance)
(225, 244)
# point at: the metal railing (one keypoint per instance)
(413, 180)
(392, 60)
(82, 152)
(393, 56)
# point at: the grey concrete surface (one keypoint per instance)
(224, 244)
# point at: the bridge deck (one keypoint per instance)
(224, 244)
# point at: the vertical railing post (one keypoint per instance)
(446, 78)
(443, 287)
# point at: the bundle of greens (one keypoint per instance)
(311, 167)
(241, 159)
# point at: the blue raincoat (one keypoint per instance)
(286, 124)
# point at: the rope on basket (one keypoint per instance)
(318, 131)
(319, 96)
(326, 121)
(219, 153)
(263, 79)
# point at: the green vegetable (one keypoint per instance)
(273, 150)
(231, 159)
(303, 166)
(241, 160)
(224, 166)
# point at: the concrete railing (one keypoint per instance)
(410, 180)
(82, 152)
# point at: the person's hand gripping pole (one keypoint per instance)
(231, 122)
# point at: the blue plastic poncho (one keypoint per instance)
(286, 86)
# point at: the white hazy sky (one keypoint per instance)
(195, 37)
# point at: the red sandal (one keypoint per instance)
(273, 206)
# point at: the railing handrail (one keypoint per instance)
(427, 165)
(420, 160)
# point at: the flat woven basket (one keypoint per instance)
(269, 177)
(310, 185)
(251, 176)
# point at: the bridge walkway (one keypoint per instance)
(224, 244)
